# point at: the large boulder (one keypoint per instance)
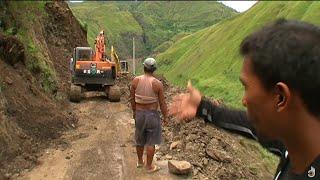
(179, 167)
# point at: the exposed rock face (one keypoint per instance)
(62, 33)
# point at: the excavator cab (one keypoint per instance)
(124, 68)
(84, 53)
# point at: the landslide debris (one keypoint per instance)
(62, 33)
(213, 153)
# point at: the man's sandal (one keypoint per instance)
(154, 169)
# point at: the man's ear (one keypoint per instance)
(283, 96)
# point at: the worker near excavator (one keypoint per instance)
(100, 46)
(146, 94)
(280, 75)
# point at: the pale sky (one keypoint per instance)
(240, 6)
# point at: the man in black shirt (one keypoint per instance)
(281, 78)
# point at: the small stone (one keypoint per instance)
(174, 144)
(8, 81)
(132, 122)
(218, 155)
(179, 167)
(169, 157)
(7, 175)
(95, 128)
(176, 138)
(123, 145)
(68, 157)
(188, 138)
(189, 146)
(199, 165)
(205, 161)
(195, 172)
(191, 137)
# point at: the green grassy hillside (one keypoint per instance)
(119, 25)
(37, 55)
(210, 57)
(151, 23)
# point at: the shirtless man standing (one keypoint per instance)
(146, 93)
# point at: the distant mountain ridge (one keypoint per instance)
(150, 22)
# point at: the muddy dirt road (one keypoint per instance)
(101, 147)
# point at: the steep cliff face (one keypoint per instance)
(36, 42)
(62, 34)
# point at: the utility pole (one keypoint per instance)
(133, 58)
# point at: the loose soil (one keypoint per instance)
(100, 147)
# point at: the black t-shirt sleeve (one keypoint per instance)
(235, 121)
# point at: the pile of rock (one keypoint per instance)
(212, 153)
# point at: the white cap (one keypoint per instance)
(150, 63)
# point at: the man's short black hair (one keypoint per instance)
(287, 51)
(149, 70)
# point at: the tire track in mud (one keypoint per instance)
(94, 150)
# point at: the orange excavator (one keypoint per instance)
(92, 71)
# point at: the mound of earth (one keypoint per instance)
(214, 153)
(30, 117)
